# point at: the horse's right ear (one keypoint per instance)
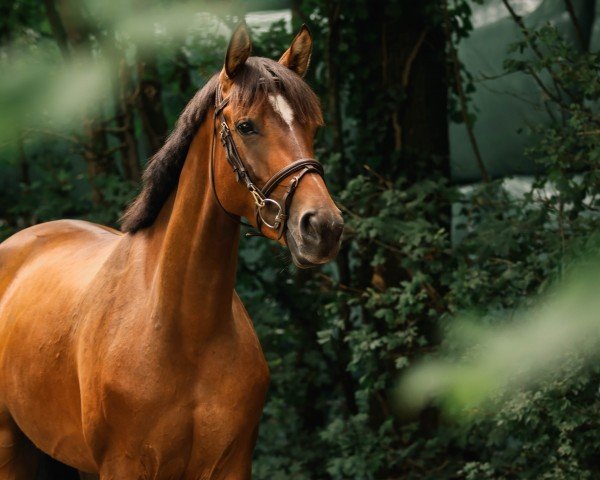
(297, 57)
(238, 50)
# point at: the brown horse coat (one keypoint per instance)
(129, 354)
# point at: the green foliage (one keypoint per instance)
(409, 278)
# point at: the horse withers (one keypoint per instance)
(129, 354)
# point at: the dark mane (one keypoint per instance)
(254, 81)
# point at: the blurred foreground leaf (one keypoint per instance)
(480, 367)
(39, 86)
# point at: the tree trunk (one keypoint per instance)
(125, 128)
(57, 27)
(72, 32)
(334, 111)
(23, 161)
(396, 76)
(401, 58)
(149, 104)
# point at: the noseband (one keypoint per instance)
(261, 195)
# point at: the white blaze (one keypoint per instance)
(282, 107)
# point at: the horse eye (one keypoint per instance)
(245, 128)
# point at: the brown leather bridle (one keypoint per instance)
(301, 166)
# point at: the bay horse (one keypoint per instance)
(128, 354)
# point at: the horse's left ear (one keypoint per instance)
(297, 57)
(238, 50)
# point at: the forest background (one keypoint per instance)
(455, 201)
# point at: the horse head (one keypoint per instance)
(266, 117)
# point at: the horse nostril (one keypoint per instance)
(309, 224)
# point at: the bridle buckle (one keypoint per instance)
(224, 132)
(259, 200)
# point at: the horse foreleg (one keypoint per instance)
(19, 459)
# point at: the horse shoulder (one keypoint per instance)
(255, 365)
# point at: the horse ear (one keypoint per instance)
(297, 57)
(238, 50)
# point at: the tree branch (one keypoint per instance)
(58, 29)
(404, 82)
(576, 25)
(519, 21)
(462, 97)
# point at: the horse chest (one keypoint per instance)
(178, 416)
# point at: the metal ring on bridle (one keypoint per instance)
(279, 210)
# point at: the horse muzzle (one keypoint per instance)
(313, 237)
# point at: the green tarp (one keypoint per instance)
(505, 104)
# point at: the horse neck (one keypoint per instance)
(195, 245)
